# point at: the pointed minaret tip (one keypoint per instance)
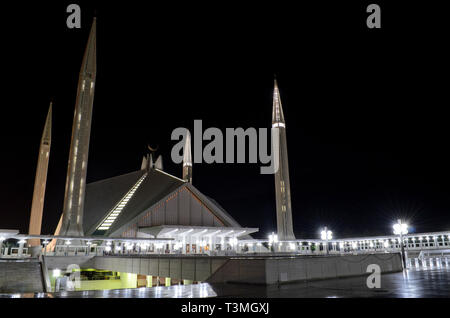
(47, 135)
(150, 161)
(144, 163)
(187, 156)
(277, 110)
(94, 25)
(159, 163)
(89, 64)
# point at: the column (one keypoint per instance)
(45, 247)
(21, 242)
(149, 281)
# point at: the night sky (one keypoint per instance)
(367, 127)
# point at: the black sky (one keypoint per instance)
(365, 109)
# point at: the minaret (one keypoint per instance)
(144, 163)
(159, 163)
(72, 222)
(150, 163)
(282, 185)
(37, 205)
(187, 159)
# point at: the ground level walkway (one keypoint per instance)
(413, 283)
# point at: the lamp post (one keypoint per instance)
(325, 236)
(273, 238)
(401, 229)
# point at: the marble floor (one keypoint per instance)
(413, 283)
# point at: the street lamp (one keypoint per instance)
(326, 235)
(273, 238)
(401, 229)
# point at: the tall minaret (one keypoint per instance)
(37, 205)
(187, 159)
(282, 185)
(72, 222)
(159, 163)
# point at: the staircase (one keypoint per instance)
(21, 276)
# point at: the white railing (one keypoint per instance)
(380, 244)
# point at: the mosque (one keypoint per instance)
(149, 202)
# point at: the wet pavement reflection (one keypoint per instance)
(412, 283)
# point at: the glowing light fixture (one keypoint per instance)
(326, 235)
(273, 238)
(400, 228)
(112, 216)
